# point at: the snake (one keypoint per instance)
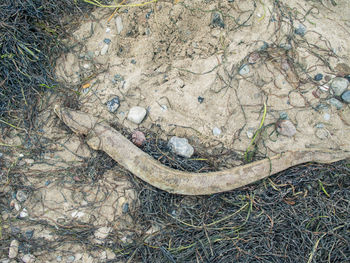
(101, 136)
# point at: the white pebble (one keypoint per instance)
(119, 24)
(28, 258)
(108, 30)
(23, 213)
(250, 133)
(216, 131)
(13, 250)
(104, 49)
(102, 232)
(137, 114)
(180, 146)
(326, 116)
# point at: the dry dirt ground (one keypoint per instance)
(182, 62)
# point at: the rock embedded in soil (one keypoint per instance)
(286, 128)
(113, 104)
(336, 103)
(137, 114)
(13, 250)
(180, 146)
(138, 138)
(339, 85)
(346, 96)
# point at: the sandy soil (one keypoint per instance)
(164, 58)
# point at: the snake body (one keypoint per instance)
(101, 136)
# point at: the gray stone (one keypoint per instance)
(339, 85)
(180, 146)
(13, 250)
(300, 30)
(113, 104)
(119, 24)
(28, 258)
(21, 196)
(244, 70)
(137, 114)
(336, 103)
(107, 41)
(59, 258)
(217, 21)
(346, 96)
(216, 131)
(286, 46)
(286, 128)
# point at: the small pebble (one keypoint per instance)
(286, 128)
(326, 116)
(104, 50)
(285, 65)
(108, 30)
(322, 134)
(336, 103)
(264, 46)
(107, 41)
(339, 85)
(319, 125)
(133, 61)
(318, 77)
(125, 208)
(217, 21)
(180, 146)
(28, 258)
(300, 30)
(23, 213)
(59, 258)
(102, 232)
(138, 138)
(119, 24)
(29, 234)
(346, 96)
(324, 88)
(347, 77)
(1, 155)
(200, 99)
(118, 77)
(250, 133)
(216, 131)
(283, 115)
(286, 46)
(71, 259)
(113, 104)
(137, 114)
(244, 70)
(164, 107)
(253, 58)
(21, 196)
(13, 250)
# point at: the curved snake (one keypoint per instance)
(101, 136)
